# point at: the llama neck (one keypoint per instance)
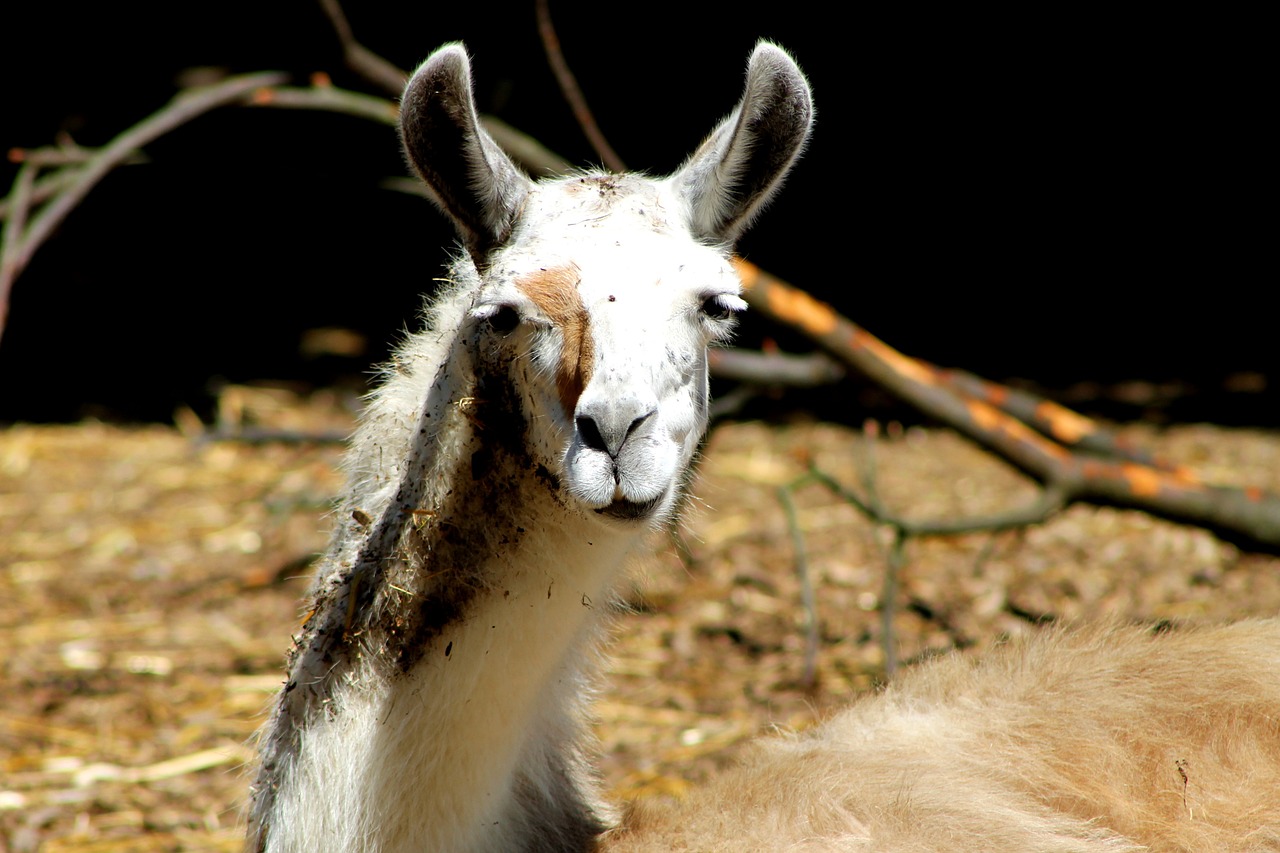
(478, 746)
(436, 694)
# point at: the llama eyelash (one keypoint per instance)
(722, 306)
(720, 313)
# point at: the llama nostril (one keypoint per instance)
(636, 424)
(607, 430)
(590, 433)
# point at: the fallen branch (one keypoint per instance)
(775, 368)
(1249, 517)
(869, 505)
(1057, 422)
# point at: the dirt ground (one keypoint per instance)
(149, 583)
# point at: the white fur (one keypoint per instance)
(516, 452)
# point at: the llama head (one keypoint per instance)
(600, 293)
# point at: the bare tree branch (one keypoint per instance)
(869, 505)
(524, 149)
(387, 76)
(809, 676)
(573, 93)
(775, 368)
(78, 170)
(1057, 422)
(21, 243)
(20, 202)
(43, 189)
(1250, 517)
(327, 98)
(359, 58)
(57, 181)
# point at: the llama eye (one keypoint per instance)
(722, 307)
(503, 320)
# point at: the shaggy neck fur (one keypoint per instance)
(482, 621)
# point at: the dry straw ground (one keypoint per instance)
(149, 584)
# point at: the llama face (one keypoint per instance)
(608, 306)
(601, 291)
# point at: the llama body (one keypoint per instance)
(1094, 740)
(517, 451)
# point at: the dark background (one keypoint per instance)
(1067, 198)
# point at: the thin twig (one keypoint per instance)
(1048, 503)
(23, 186)
(52, 155)
(359, 58)
(774, 368)
(984, 553)
(270, 435)
(897, 551)
(47, 186)
(43, 188)
(182, 109)
(81, 169)
(524, 149)
(871, 434)
(888, 602)
(572, 92)
(810, 674)
(330, 99)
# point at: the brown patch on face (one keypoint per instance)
(555, 292)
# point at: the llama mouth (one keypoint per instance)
(630, 510)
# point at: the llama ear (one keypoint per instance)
(739, 167)
(469, 176)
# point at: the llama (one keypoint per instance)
(522, 445)
(1099, 739)
(517, 451)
